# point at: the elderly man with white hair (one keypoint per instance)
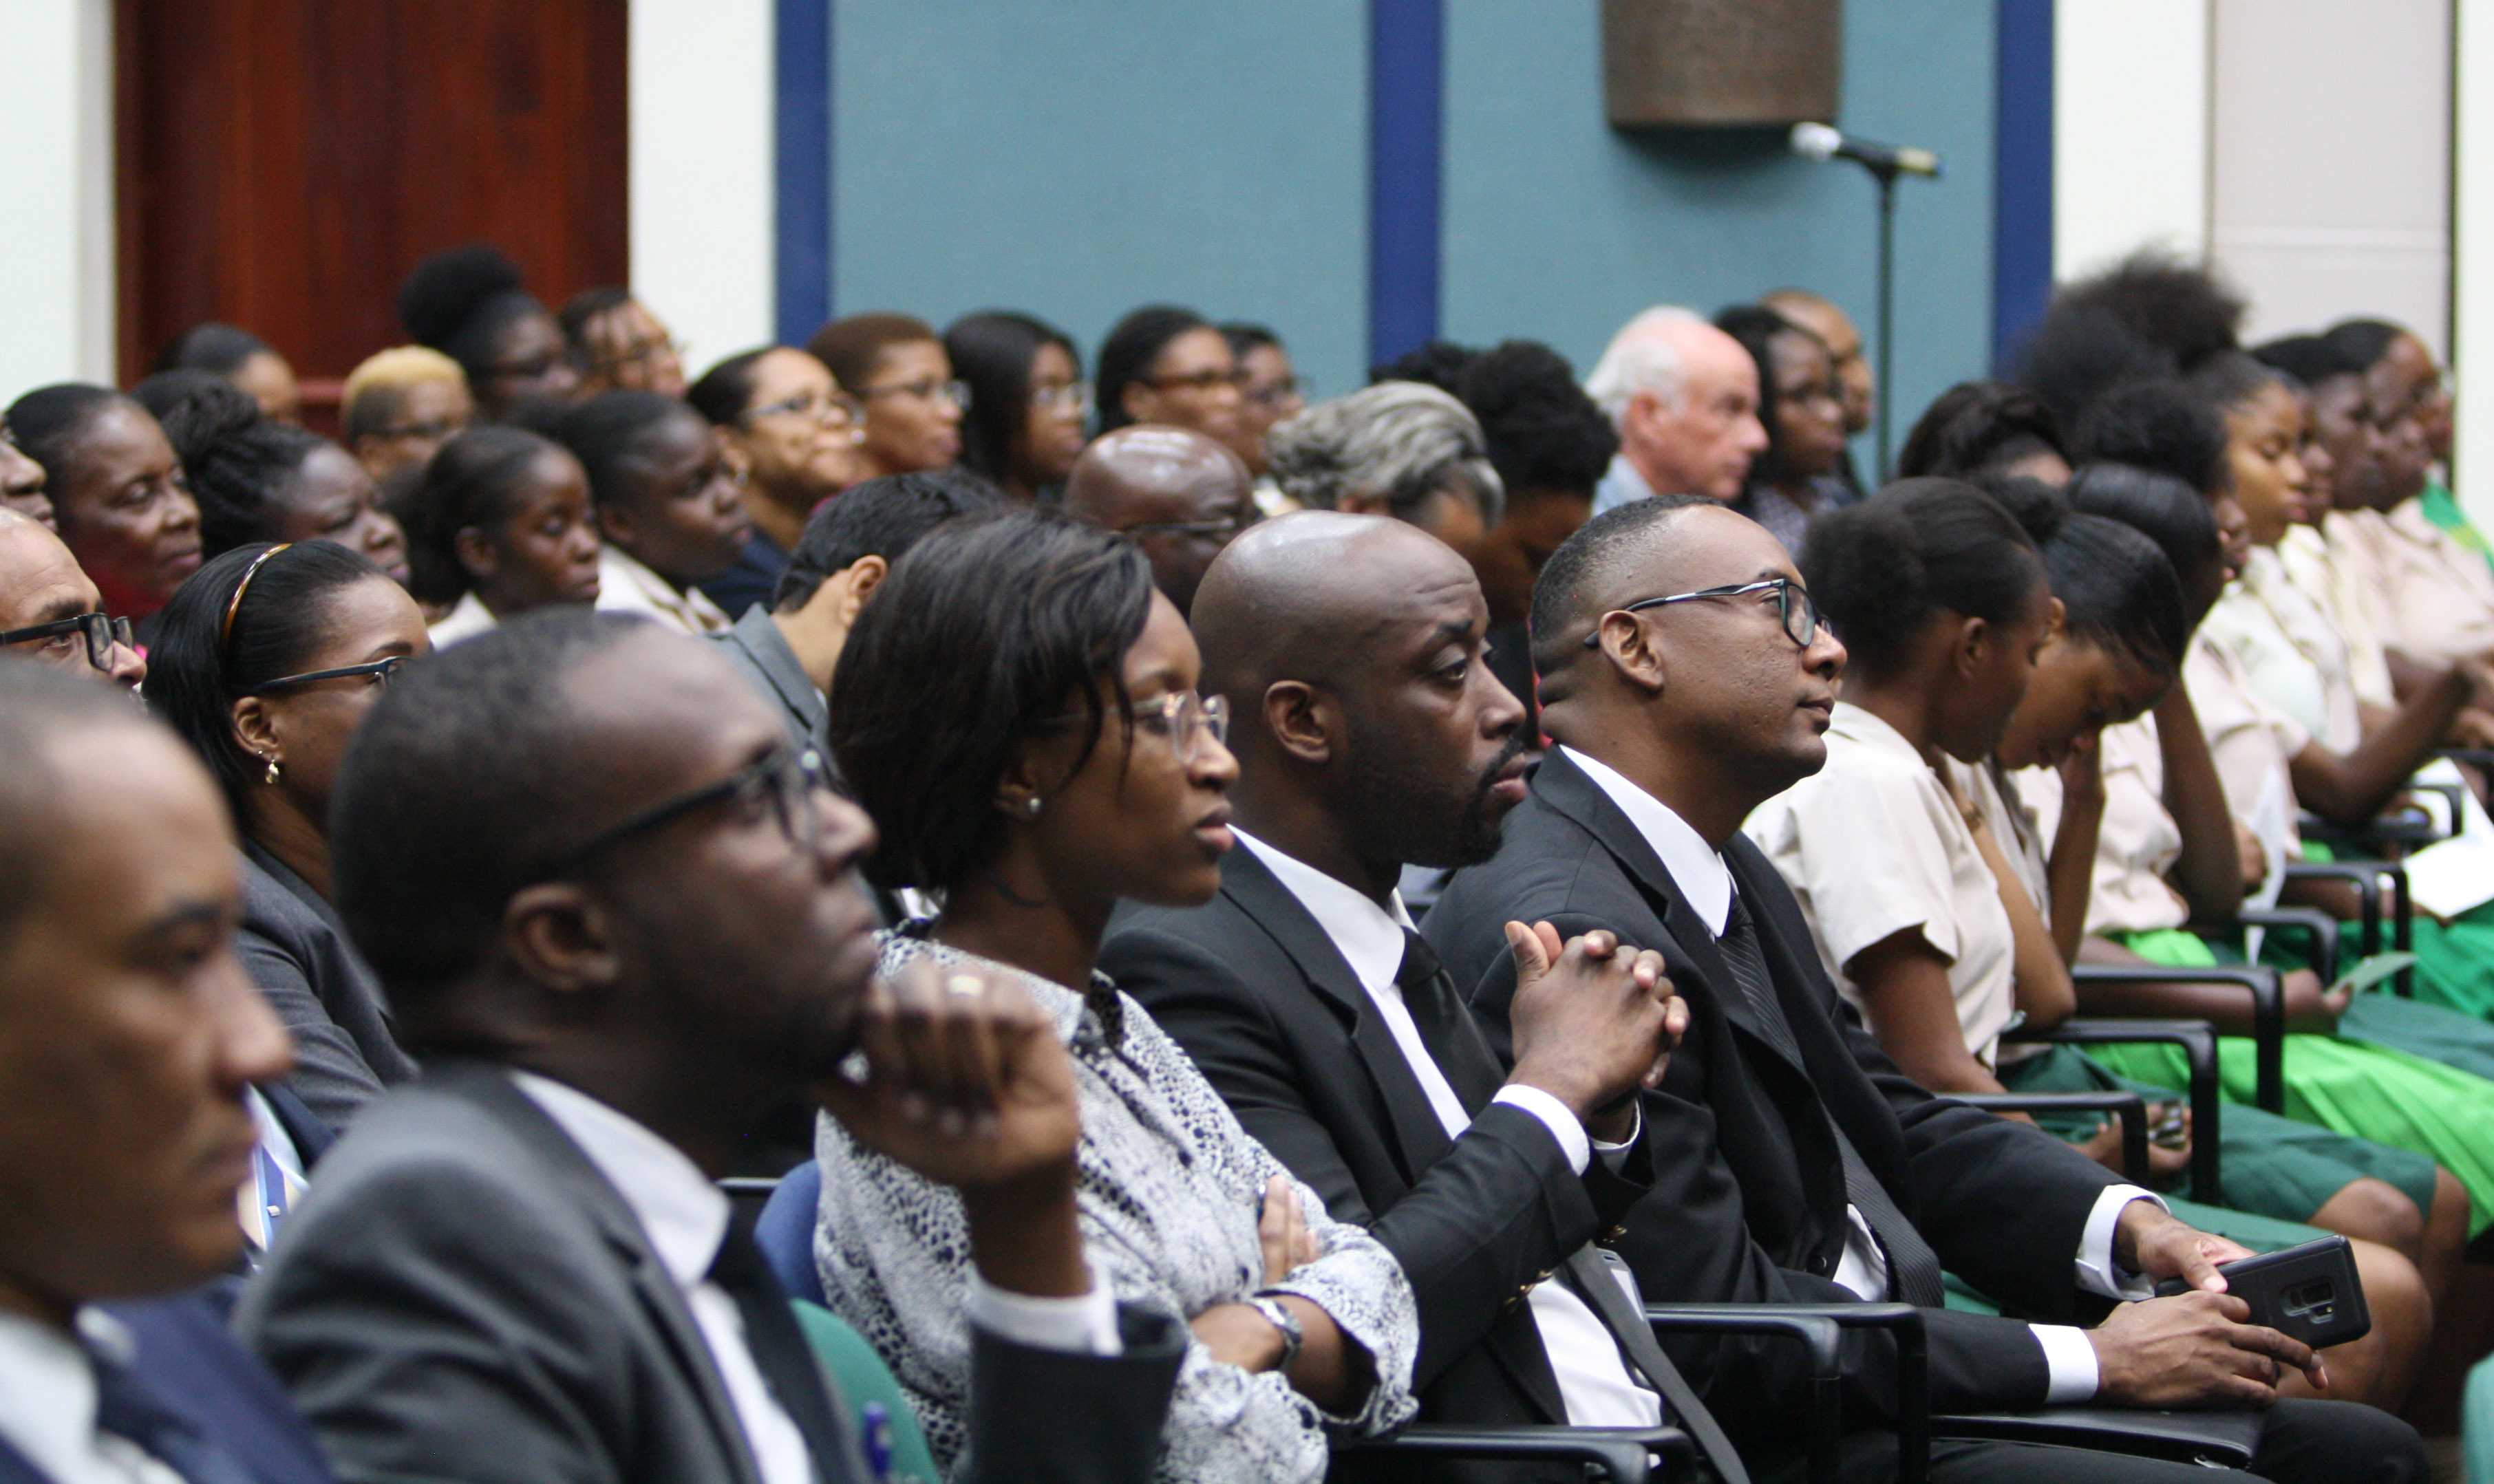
(1684, 398)
(1399, 448)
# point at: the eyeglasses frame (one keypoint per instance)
(1784, 590)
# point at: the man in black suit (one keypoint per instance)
(129, 1040)
(618, 914)
(1370, 733)
(1685, 681)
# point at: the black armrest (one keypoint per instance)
(2409, 828)
(2198, 1039)
(1619, 1454)
(1811, 1326)
(2268, 1011)
(2316, 926)
(2474, 757)
(1913, 1365)
(2129, 1106)
(2368, 891)
(2450, 793)
(2367, 875)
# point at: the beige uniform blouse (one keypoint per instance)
(2289, 650)
(2138, 842)
(2333, 577)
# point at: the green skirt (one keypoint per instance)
(2270, 1170)
(2455, 962)
(2357, 1087)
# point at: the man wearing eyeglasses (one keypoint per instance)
(1685, 680)
(618, 914)
(50, 610)
(1178, 494)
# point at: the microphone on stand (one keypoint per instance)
(1821, 142)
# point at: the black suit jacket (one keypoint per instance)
(1258, 995)
(464, 1297)
(1749, 1201)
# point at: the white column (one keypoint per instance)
(702, 177)
(56, 253)
(2130, 129)
(2471, 256)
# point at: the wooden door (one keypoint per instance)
(284, 163)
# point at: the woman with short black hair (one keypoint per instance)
(470, 304)
(1169, 365)
(1801, 405)
(1031, 764)
(119, 498)
(1028, 402)
(266, 663)
(500, 524)
(894, 367)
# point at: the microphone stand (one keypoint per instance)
(1886, 175)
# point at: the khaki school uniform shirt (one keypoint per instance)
(2318, 563)
(1873, 845)
(2250, 739)
(2138, 842)
(2288, 651)
(2437, 599)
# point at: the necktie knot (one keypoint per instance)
(1420, 963)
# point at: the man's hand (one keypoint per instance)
(968, 1085)
(2194, 1349)
(2149, 1239)
(1592, 1022)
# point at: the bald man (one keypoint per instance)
(50, 610)
(1178, 494)
(1684, 396)
(1685, 680)
(1370, 734)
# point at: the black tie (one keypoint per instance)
(129, 1408)
(1913, 1269)
(780, 1351)
(1446, 1026)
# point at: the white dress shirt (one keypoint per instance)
(465, 620)
(47, 1402)
(1701, 875)
(1594, 1381)
(1621, 485)
(625, 586)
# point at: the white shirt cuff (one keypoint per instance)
(2070, 1359)
(2097, 1271)
(1573, 1141)
(1084, 1325)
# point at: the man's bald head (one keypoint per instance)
(1180, 495)
(1364, 718)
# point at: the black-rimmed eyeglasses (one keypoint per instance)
(102, 631)
(1793, 607)
(787, 779)
(382, 671)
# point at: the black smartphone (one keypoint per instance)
(2310, 1291)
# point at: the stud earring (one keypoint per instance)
(270, 777)
(1030, 806)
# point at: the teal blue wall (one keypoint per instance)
(1075, 157)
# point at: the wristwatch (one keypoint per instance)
(1279, 1315)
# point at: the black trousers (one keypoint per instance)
(2306, 1442)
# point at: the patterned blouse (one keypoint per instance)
(1170, 1189)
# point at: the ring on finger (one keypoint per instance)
(967, 986)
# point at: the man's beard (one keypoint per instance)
(1401, 823)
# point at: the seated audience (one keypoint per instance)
(399, 406)
(500, 524)
(1801, 405)
(620, 920)
(894, 367)
(1355, 760)
(2373, 1066)
(266, 664)
(1684, 396)
(51, 613)
(619, 345)
(1985, 430)
(22, 480)
(1835, 330)
(242, 359)
(1270, 391)
(128, 1042)
(256, 479)
(1947, 611)
(470, 304)
(1397, 448)
(789, 648)
(791, 435)
(2402, 374)
(669, 505)
(1023, 428)
(1035, 762)
(1179, 495)
(118, 494)
(1688, 680)
(1549, 445)
(1163, 364)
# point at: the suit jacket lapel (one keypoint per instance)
(589, 1192)
(1419, 1138)
(1578, 797)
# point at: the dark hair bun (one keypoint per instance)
(447, 289)
(2038, 506)
(208, 415)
